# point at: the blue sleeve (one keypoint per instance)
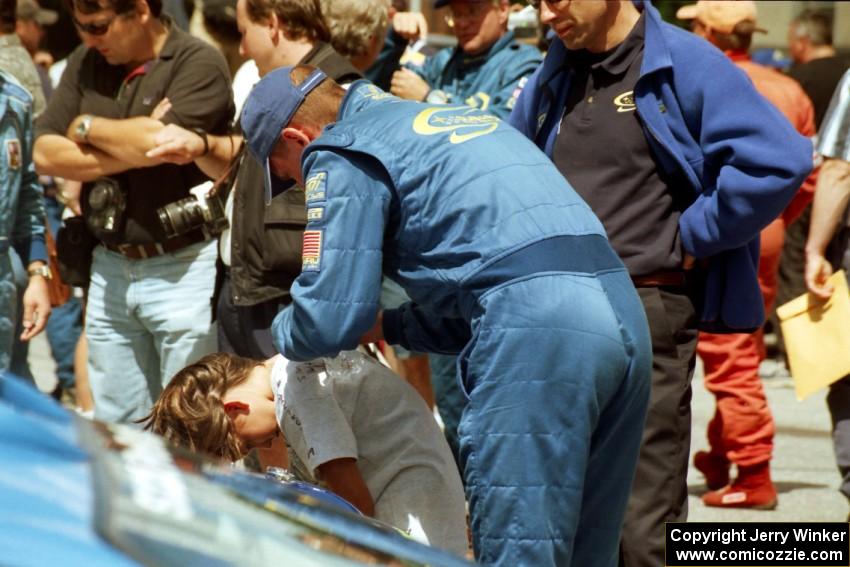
(523, 117)
(416, 329)
(757, 156)
(335, 299)
(28, 230)
(431, 70)
(512, 79)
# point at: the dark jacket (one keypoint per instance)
(266, 241)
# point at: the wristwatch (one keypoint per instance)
(42, 270)
(81, 133)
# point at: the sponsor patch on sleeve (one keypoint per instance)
(315, 214)
(13, 154)
(311, 251)
(315, 189)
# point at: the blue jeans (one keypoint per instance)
(145, 320)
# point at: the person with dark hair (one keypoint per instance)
(684, 162)
(261, 253)
(149, 310)
(741, 431)
(220, 23)
(347, 422)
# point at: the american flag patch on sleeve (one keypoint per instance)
(311, 251)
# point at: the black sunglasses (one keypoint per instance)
(95, 28)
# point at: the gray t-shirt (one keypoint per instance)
(352, 407)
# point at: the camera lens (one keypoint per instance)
(180, 216)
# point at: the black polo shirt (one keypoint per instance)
(195, 78)
(819, 77)
(602, 151)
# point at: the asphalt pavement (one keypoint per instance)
(803, 466)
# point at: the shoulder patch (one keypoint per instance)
(315, 189)
(315, 214)
(13, 154)
(311, 251)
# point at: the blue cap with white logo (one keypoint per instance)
(268, 110)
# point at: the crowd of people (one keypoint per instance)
(261, 205)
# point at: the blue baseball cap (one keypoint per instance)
(267, 111)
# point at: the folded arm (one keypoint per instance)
(58, 156)
(174, 144)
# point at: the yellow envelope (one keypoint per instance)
(817, 337)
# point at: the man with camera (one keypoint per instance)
(149, 303)
(261, 253)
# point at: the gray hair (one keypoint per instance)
(814, 25)
(353, 23)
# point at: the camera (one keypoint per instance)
(203, 209)
(106, 206)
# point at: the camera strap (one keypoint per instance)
(224, 182)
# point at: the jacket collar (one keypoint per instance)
(656, 54)
(480, 58)
(173, 41)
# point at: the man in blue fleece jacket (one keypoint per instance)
(684, 163)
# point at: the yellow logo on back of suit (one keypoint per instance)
(464, 125)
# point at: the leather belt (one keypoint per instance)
(153, 249)
(661, 278)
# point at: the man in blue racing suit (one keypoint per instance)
(504, 264)
(486, 69)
